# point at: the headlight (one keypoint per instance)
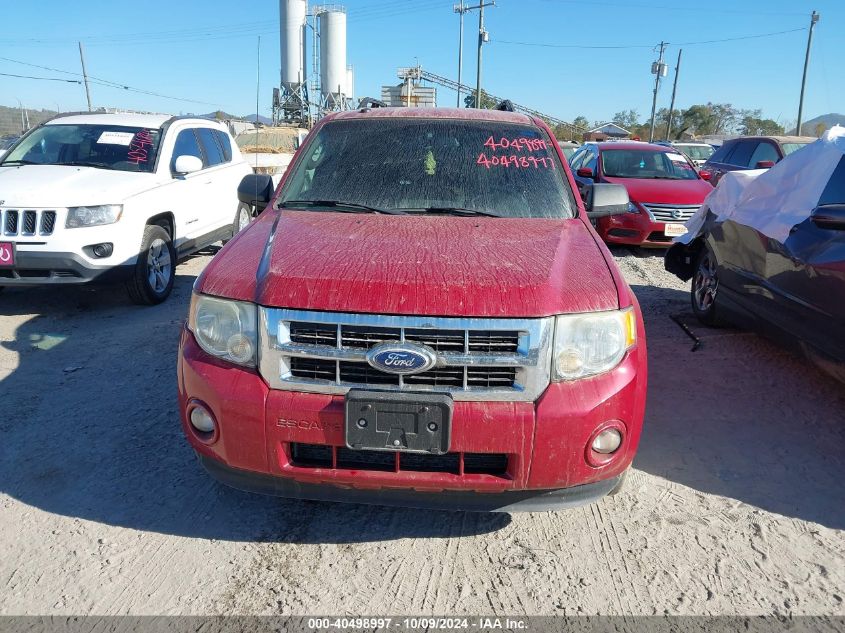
(93, 216)
(224, 328)
(633, 208)
(592, 343)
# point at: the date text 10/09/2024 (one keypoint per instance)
(417, 624)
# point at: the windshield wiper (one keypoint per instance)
(456, 211)
(338, 206)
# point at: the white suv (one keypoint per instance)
(109, 197)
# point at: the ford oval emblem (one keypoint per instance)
(401, 358)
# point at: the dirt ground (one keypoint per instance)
(735, 505)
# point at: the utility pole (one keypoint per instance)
(814, 18)
(483, 36)
(674, 90)
(460, 10)
(85, 76)
(658, 69)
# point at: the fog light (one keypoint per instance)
(201, 420)
(607, 441)
(103, 250)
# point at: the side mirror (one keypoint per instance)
(705, 175)
(605, 199)
(584, 172)
(187, 164)
(829, 216)
(764, 164)
(256, 190)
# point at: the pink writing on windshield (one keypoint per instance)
(138, 151)
(520, 162)
(521, 144)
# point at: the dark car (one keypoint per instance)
(793, 291)
(663, 185)
(751, 152)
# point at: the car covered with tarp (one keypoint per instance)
(766, 251)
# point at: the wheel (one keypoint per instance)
(152, 279)
(243, 216)
(705, 288)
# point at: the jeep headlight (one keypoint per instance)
(93, 216)
(224, 328)
(592, 343)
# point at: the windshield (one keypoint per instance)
(634, 163)
(788, 148)
(696, 152)
(103, 146)
(432, 165)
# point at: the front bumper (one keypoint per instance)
(544, 441)
(454, 500)
(33, 268)
(634, 229)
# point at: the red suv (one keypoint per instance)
(664, 187)
(421, 315)
(752, 152)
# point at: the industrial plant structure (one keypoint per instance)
(331, 87)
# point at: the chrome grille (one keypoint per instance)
(28, 222)
(667, 212)
(477, 359)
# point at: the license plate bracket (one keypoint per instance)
(388, 421)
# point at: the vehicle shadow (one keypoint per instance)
(740, 417)
(89, 429)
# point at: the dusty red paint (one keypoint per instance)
(427, 265)
(421, 265)
(545, 440)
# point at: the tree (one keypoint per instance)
(487, 102)
(627, 119)
(660, 120)
(709, 118)
(562, 132)
(581, 122)
(752, 122)
(821, 128)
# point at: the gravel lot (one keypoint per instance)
(735, 506)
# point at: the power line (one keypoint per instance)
(70, 81)
(650, 46)
(670, 8)
(109, 84)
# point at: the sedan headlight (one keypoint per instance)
(93, 216)
(224, 328)
(592, 343)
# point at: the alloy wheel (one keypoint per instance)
(159, 265)
(705, 283)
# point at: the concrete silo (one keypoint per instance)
(293, 96)
(333, 72)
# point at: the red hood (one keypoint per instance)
(423, 265)
(664, 191)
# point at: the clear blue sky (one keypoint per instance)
(206, 51)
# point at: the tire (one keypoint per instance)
(243, 216)
(704, 289)
(152, 279)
